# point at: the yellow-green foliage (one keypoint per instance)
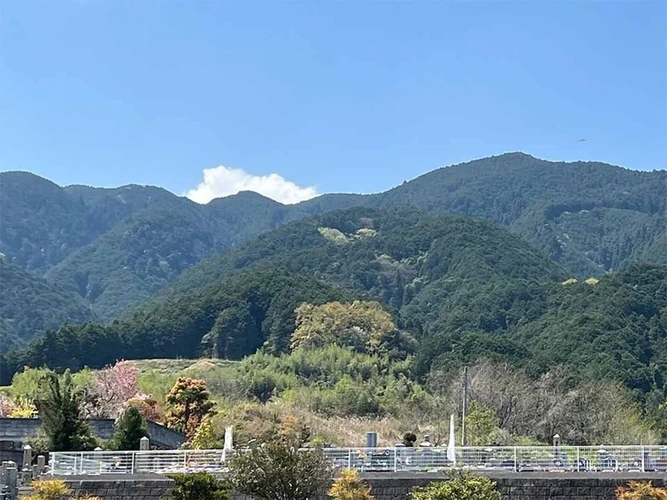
(570, 281)
(50, 490)
(54, 490)
(481, 424)
(637, 490)
(28, 384)
(22, 408)
(366, 232)
(349, 486)
(462, 486)
(205, 437)
(333, 235)
(592, 281)
(360, 324)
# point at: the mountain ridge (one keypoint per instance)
(115, 247)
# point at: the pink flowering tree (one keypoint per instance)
(110, 389)
(6, 406)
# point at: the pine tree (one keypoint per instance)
(130, 428)
(190, 402)
(60, 412)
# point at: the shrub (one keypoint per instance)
(637, 490)
(349, 486)
(461, 486)
(409, 439)
(278, 471)
(50, 490)
(198, 486)
(54, 490)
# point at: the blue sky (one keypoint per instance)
(339, 95)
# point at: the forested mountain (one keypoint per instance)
(461, 288)
(116, 247)
(468, 274)
(152, 247)
(591, 217)
(29, 304)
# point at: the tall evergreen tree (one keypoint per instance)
(130, 428)
(60, 412)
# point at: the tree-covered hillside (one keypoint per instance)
(458, 289)
(591, 217)
(143, 253)
(116, 247)
(29, 305)
(467, 273)
(391, 254)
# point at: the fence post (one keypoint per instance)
(134, 459)
(643, 458)
(349, 458)
(395, 459)
(578, 460)
(516, 461)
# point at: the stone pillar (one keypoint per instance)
(371, 440)
(27, 457)
(9, 476)
(41, 464)
(144, 444)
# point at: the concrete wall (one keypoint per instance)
(526, 486)
(16, 430)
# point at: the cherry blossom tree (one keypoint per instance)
(6, 406)
(110, 389)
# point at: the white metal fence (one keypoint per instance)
(519, 459)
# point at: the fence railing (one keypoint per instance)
(511, 458)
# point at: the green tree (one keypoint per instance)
(461, 486)
(198, 486)
(481, 422)
(60, 412)
(130, 428)
(278, 471)
(189, 403)
(205, 437)
(234, 329)
(361, 325)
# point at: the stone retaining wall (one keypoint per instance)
(529, 486)
(118, 488)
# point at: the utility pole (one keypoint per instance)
(464, 406)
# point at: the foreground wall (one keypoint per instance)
(387, 486)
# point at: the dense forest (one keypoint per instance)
(457, 289)
(30, 304)
(116, 247)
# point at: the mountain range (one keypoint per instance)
(81, 254)
(458, 289)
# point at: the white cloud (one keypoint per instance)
(222, 181)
